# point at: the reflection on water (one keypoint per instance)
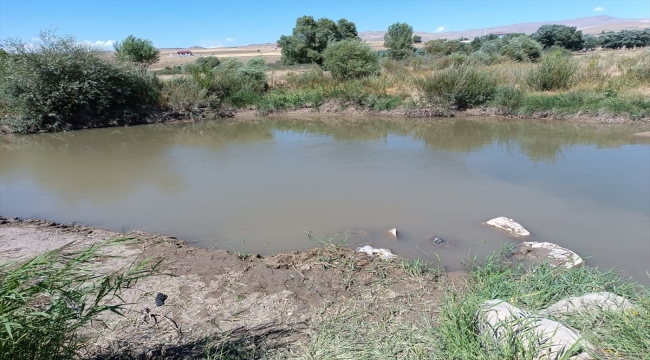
(585, 187)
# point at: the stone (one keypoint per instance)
(554, 254)
(508, 225)
(385, 254)
(440, 242)
(501, 321)
(393, 232)
(590, 302)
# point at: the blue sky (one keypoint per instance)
(233, 23)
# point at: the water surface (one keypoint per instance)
(259, 186)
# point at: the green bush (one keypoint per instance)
(233, 75)
(522, 48)
(186, 96)
(208, 62)
(508, 98)
(444, 47)
(461, 87)
(62, 84)
(45, 300)
(287, 100)
(350, 59)
(554, 72)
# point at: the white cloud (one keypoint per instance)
(206, 43)
(440, 29)
(230, 39)
(99, 43)
(600, 8)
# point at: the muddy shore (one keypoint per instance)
(275, 300)
(336, 109)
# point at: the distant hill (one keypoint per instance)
(588, 25)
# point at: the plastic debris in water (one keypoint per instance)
(383, 253)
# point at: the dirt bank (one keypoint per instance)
(214, 296)
(335, 108)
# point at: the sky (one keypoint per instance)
(241, 22)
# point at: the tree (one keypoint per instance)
(417, 39)
(559, 35)
(350, 59)
(309, 39)
(399, 41)
(141, 52)
(346, 30)
(591, 42)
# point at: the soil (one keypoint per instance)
(336, 108)
(217, 296)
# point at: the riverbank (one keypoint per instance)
(221, 299)
(322, 303)
(352, 113)
(602, 87)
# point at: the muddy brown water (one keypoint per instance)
(261, 186)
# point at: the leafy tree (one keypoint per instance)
(399, 40)
(559, 35)
(625, 38)
(350, 59)
(346, 30)
(309, 39)
(417, 39)
(138, 51)
(591, 42)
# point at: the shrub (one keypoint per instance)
(522, 48)
(508, 98)
(554, 72)
(233, 75)
(45, 300)
(232, 81)
(208, 62)
(350, 59)
(461, 86)
(444, 47)
(60, 84)
(186, 96)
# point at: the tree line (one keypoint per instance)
(310, 38)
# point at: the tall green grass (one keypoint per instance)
(46, 300)
(460, 86)
(533, 288)
(556, 71)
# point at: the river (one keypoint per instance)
(260, 186)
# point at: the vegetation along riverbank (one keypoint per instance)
(58, 83)
(152, 296)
